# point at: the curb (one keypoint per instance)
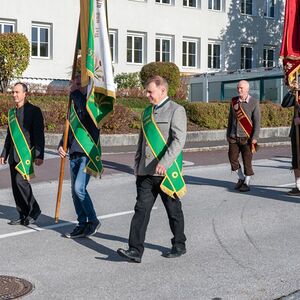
(109, 140)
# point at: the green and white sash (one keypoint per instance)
(25, 166)
(173, 183)
(86, 142)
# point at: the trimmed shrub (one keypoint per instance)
(127, 80)
(14, 57)
(167, 70)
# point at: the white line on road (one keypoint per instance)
(3, 236)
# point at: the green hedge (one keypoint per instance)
(126, 118)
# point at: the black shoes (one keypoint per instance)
(130, 254)
(76, 233)
(239, 184)
(175, 252)
(294, 192)
(16, 222)
(84, 231)
(31, 219)
(244, 188)
(91, 228)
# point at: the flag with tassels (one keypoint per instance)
(290, 48)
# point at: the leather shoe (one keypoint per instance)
(16, 222)
(175, 252)
(239, 184)
(244, 188)
(130, 254)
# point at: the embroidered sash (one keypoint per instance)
(92, 150)
(243, 120)
(25, 166)
(173, 183)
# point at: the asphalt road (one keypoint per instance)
(239, 246)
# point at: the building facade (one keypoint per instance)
(199, 36)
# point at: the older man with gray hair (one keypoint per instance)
(242, 134)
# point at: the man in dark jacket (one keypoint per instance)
(24, 145)
(88, 223)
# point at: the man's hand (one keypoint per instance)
(160, 170)
(254, 141)
(38, 161)
(2, 161)
(61, 152)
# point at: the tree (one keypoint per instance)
(14, 57)
(167, 70)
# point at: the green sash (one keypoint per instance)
(25, 166)
(86, 142)
(173, 183)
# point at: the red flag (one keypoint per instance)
(290, 48)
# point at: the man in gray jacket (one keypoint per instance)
(242, 134)
(166, 122)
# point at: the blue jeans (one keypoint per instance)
(79, 180)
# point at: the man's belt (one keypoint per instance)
(173, 183)
(25, 166)
(91, 149)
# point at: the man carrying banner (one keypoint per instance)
(84, 153)
(24, 146)
(242, 134)
(158, 169)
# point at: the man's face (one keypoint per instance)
(19, 95)
(243, 90)
(154, 93)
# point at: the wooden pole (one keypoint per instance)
(65, 137)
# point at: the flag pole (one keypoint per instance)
(65, 136)
(296, 115)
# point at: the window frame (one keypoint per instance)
(244, 4)
(135, 35)
(211, 57)
(266, 60)
(189, 41)
(267, 9)
(244, 59)
(113, 48)
(161, 3)
(162, 38)
(4, 22)
(190, 6)
(40, 26)
(212, 5)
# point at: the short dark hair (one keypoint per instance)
(24, 86)
(158, 80)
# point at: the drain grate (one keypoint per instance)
(14, 287)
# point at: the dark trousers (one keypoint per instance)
(243, 146)
(148, 188)
(25, 202)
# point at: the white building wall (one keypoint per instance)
(229, 27)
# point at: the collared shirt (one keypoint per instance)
(161, 103)
(246, 100)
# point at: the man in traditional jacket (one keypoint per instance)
(24, 146)
(242, 134)
(83, 145)
(158, 169)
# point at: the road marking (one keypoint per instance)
(63, 224)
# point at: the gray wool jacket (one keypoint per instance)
(171, 119)
(252, 110)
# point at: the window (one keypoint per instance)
(135, 48)
(113, 44)
(246, 57)
(190, 3)
(40, 41)
(163, 1)
(7, 26)
(189, 53)
(269, 8)
(268, 57)
(214, 56)
(246, 7)
(163, 49)
(214, 4)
